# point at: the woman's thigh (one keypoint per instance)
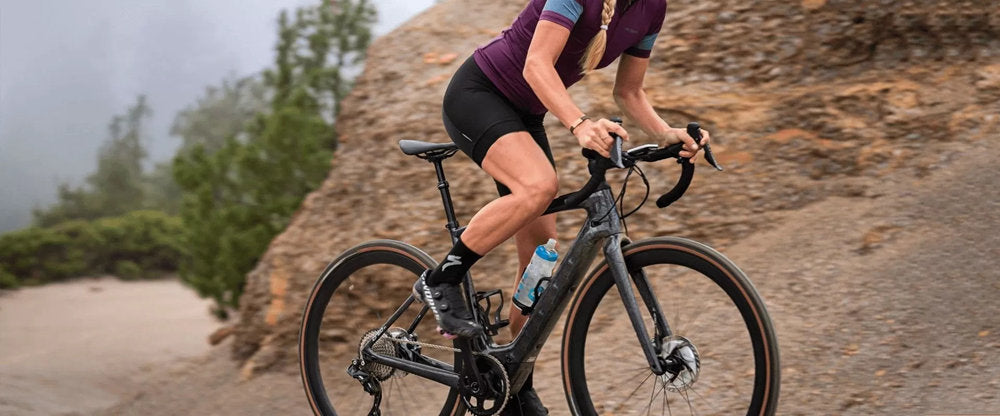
(517, 161)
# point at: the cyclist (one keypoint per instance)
(493, 110)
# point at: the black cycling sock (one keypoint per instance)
(455, 265)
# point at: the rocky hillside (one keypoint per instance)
(806, 100)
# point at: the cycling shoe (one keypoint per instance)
(449, 307)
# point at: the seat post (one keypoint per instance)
(449, 209)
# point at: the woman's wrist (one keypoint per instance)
(668, 135)
(576, 123)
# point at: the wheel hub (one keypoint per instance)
(681, 360)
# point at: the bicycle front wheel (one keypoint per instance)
(354, 297)
(721, 351)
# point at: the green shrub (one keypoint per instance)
(137, 244)
(7, 280)
(128, 270)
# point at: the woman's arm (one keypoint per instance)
(632, 100)
(540, 72)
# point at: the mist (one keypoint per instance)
(67, 67)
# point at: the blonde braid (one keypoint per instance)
(595, 51)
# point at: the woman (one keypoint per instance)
(493, 111)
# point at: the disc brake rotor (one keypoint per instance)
(682, 362)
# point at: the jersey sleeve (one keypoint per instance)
(645, 46)
(562, 12)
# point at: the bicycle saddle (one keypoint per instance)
(415, 147)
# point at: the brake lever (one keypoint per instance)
(694, 130)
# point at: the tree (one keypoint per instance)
(241, 185)
(348, 26)
(221, 113)
(160, 191)
(116, 187)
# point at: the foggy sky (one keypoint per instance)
(68, 66)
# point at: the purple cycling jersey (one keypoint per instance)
(632, 31)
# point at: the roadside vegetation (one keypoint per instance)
(251, 149)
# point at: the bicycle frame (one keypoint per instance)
(601, 230)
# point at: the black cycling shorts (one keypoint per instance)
(476, 114)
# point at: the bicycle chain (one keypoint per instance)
(503, 371)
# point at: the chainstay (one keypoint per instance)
(503, 371)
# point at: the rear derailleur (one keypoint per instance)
(371, 385)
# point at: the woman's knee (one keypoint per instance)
(539, 190)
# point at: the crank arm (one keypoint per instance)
(467, 360)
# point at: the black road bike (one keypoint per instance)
(660, 326)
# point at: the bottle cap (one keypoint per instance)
(547, 252)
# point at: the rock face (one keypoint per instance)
(805, 100)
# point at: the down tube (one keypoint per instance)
(616, 263)
(520, 355)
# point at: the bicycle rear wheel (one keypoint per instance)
(714, 314)
(356, 294)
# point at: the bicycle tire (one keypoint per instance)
(691, 270)
(353, 314)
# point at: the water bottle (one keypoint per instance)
(536, 276)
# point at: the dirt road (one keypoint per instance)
(77, 347)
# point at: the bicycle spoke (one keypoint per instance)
(407, 397)
(637, 374)
(715, 408)
(666, 403)
(688, 400)
(388, 398)
(639, 368)
(627, 398)
(652, 396)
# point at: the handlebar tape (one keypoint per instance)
(687, 173)
(687, 170)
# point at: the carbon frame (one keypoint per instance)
(602, 227)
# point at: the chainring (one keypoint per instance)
(499, 381)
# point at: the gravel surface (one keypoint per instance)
(82, 345)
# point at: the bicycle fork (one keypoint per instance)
(623, 281)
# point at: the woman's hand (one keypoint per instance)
(691, 148)
(595, 135)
